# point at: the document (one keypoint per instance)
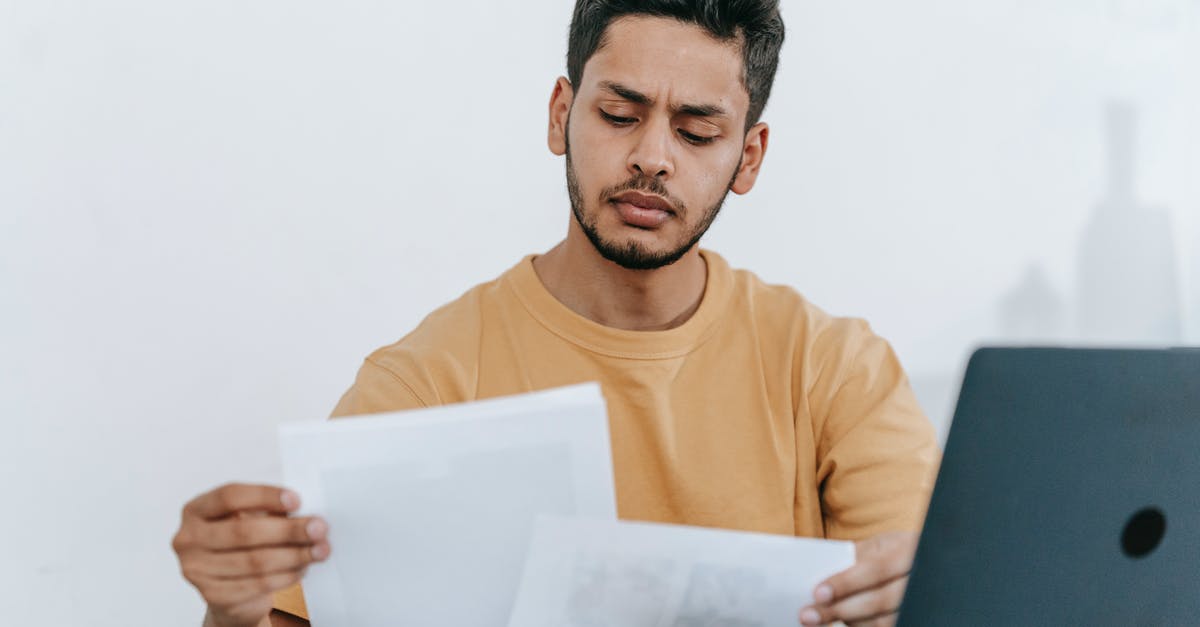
(431, 511)
(602, 573)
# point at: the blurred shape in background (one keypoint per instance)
(1033, 311)
(1128, 279)
(1128, 291)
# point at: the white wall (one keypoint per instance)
(211, 211)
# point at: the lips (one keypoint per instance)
(642, 210)
(644, 201)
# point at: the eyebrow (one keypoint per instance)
(637, 97)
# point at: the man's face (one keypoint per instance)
(655, 139)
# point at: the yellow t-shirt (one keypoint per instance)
(760, 413)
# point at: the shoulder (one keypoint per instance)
(438, 360)
(783, 307)
(824, 350)
(448, 332)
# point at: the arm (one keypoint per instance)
(877, 453)
(877, 458)
(266, 621)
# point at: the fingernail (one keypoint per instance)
(316, 529)
(290, 500)
(810, 617)
(823, 594)
(320, 551)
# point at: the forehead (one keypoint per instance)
(657, 55)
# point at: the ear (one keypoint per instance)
(560, 111)
(753, 152)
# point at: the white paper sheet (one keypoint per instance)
(431, 511)
(602, 573)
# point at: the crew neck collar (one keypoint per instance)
(614, 342)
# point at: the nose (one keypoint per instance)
(651, 155)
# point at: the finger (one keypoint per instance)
(854, 580)
(225, 593)
(871, 604)
(259, 562)
(876, 603)
(236, 497)
(247, 533)
(880, 559)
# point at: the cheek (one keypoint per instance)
(598, 162)
(713, 173)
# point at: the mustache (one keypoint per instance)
(648, 185)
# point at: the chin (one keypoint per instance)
(633, 254)
(643, 241)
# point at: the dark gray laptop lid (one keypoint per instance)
(1069, 493)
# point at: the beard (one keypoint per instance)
(632, 255)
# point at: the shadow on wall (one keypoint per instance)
(1128, 290)
(1128, 283)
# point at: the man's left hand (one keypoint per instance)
(867, 594)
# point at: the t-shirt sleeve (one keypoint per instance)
(376, 389)
(877, 453)
(291, 601)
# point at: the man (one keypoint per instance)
(732, 403)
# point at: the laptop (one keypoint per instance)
(1069, 493)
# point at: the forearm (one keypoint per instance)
(268, 621)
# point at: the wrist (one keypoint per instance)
(212, 621)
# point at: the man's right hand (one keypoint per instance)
(238, 546)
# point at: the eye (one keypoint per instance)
(692, 138)
(616, 120)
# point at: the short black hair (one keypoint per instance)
(757, 22)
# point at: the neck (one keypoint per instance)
(577, 275)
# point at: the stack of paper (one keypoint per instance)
(438, 515)
(584, 573)
(431, 511)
